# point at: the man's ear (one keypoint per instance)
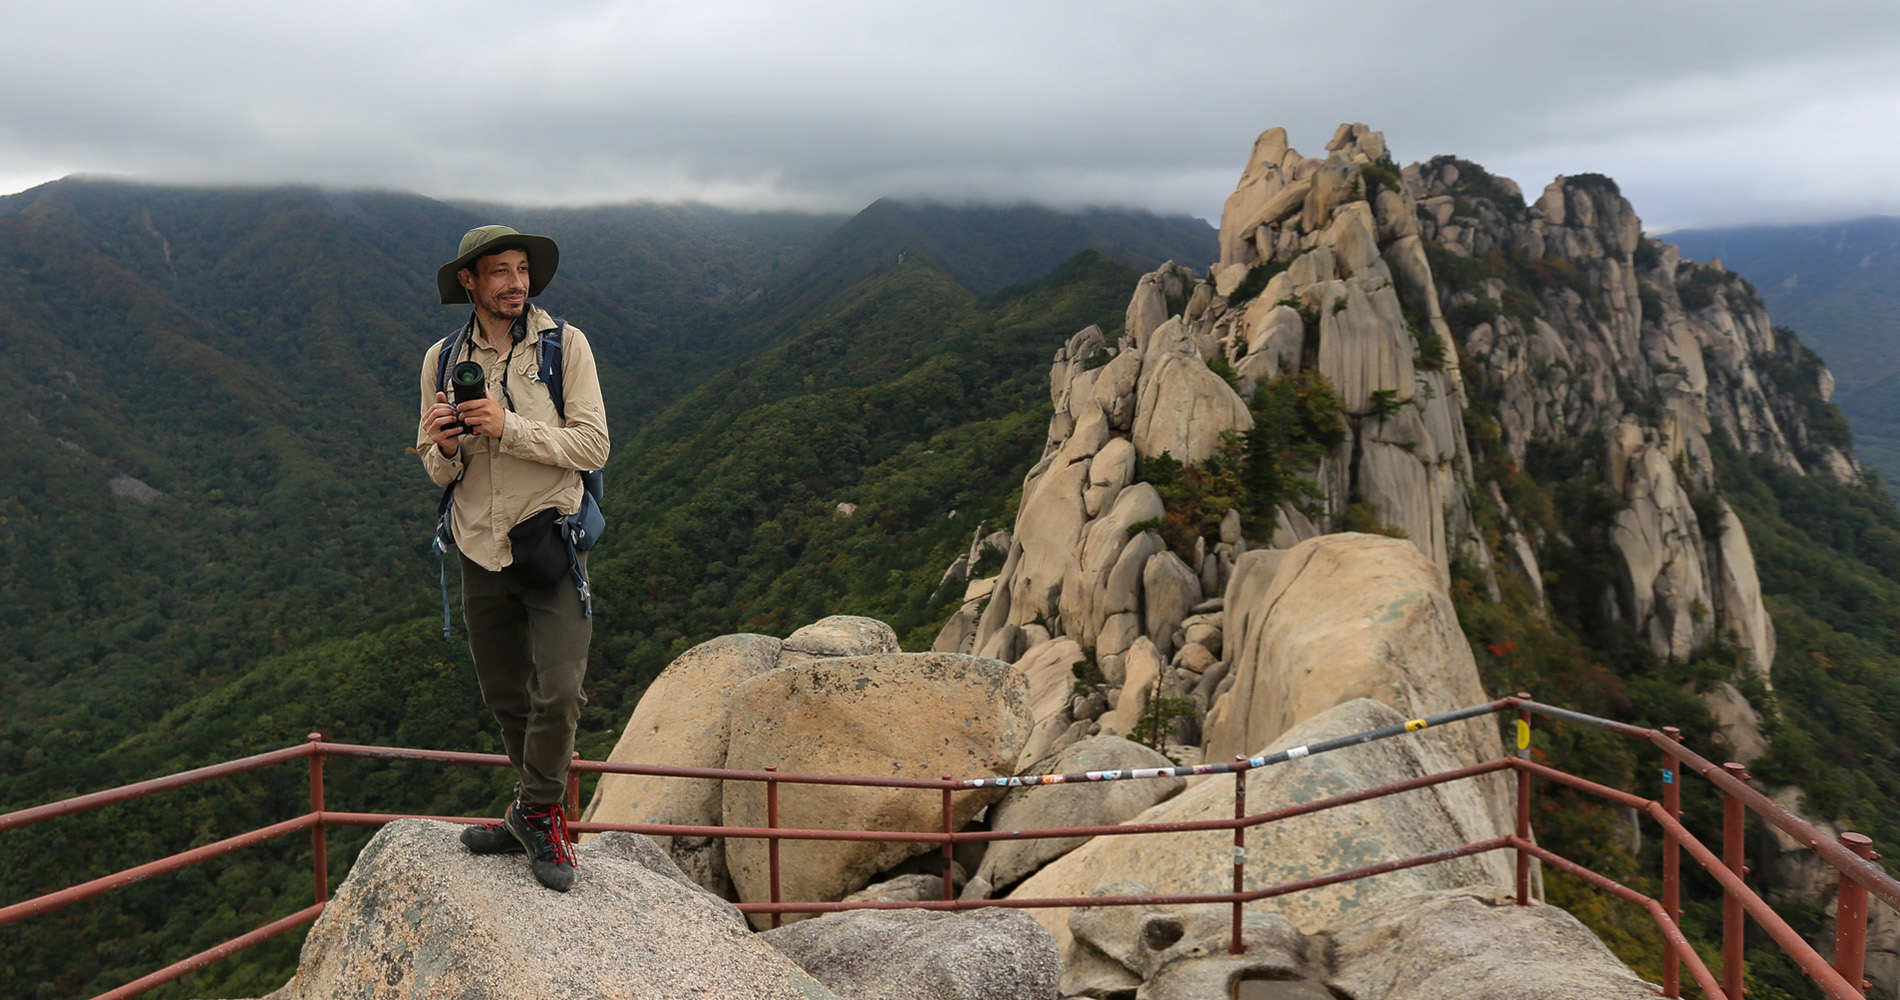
(467, 278)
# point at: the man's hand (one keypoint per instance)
(485, 417)
(441, 415)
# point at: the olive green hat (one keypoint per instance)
(543, 258)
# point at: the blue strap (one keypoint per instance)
(442, 572)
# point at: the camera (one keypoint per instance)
(467, 381)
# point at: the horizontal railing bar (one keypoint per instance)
(616, 767)
(1228, 767)
(1615, 795)
(1700, 971)
(178, 970)
(1585, 718)
(185, 859)
(1870, 875)
(125, 793)
(1116, 830)
(1152, 899)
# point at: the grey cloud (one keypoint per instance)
(1704, 112)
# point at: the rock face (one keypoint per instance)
(1045, 806)
(1348, 837)
(682, 720)
(1459, 943)
(420, 916)
(1341, 617)
(987, 954)
(913, 715)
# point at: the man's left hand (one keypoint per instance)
(484, 416)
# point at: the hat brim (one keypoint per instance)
(544, 258)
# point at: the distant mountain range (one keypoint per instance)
(1838, 285)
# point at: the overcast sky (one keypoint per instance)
(1707, 113)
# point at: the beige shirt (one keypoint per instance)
(537, 461)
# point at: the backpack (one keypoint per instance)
(581, 529)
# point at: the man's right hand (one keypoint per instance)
(438, 421)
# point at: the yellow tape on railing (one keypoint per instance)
(1415, 725)
(1523, 734)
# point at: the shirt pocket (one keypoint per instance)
(531, 396)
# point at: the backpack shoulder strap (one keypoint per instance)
(551, 368)
(451, 344)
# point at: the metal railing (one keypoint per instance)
(1851, 856)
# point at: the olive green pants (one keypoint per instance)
(530, 649)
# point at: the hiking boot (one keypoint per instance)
(491, 838)
(542, 832)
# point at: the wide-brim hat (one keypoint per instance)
(543, 259)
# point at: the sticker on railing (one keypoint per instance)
(1240, 854)
(1523, 734)
(1295, 753)
(1669, 777)
(1415, 725)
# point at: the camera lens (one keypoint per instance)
(468, 373)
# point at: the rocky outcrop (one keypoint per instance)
(682, 721)
(420, 916)
(988, 954)
(1341, 617)
(1609, 344)
(1348, 837)
(1431, 299)
(912, 715)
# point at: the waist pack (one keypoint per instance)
(546, 545)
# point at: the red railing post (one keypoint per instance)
(1850, 917)
(574, 798)
(1734, 826)
(1523, 802)
(319, 847)
(1241, 763)
(771, 843)
(1672, 864)
(949, 848)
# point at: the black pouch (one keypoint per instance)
(541, 553)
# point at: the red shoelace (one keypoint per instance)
(550, 821)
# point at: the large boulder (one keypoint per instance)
(1336, 618)
(1045, 806)
(1181, 406)
(909, 715)
(681, 721)
(1384, 829)
(986, 954)
(1475, 946)
(420, 916)
(838, 635)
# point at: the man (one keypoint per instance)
(517, 458)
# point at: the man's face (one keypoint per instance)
(497, 284)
